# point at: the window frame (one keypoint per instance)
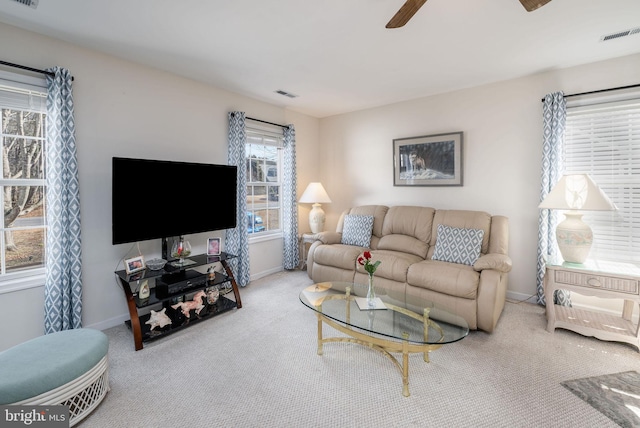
(26, 93)
(266, 136)
(600, 131)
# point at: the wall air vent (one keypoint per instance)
(619, 34)
(31, 3)
(286, 94)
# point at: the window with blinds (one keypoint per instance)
(603, 140)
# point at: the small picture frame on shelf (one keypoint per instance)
(213, 247)
(135, 264)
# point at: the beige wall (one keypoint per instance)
(502, 125)
(124, 109)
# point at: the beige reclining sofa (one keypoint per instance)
(454, 258)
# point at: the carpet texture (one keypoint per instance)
(615, 395)
(257, 367)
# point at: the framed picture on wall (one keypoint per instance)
(430, 160)
(213, 247)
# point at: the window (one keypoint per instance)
(263, 163)
(22, 182)
(603, 140)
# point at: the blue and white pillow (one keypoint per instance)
(457, 245)
(356, 230)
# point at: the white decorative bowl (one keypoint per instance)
(156, 264)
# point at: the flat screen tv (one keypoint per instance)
(159, 199)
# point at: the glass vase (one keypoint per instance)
(180, 250)
(371, 294)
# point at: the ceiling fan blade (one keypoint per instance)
(532, 5)
(405, 13)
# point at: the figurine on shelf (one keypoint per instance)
(212, 295)
(159, 319)
(196, 304)
(144, 292)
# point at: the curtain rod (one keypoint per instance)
(600, 90)
(35, 70)
(268, 123)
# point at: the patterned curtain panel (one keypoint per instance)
(554, 118)
(63, 281)
(237, 240)
(290, 201)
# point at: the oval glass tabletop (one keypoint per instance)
(397, 318)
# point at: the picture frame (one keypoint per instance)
(429, 160)
(135, 264)
(213, 247)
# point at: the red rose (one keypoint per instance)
(361, 260)
(367, 255)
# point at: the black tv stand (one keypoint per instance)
(171, 285)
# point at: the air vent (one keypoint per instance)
(31, 3)
(286, 94)
(619, 34)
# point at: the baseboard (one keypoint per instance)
(516, 297)
(264, 273)
(111, 322)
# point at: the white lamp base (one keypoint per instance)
(316, 219)
(574, 238)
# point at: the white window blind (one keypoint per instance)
(603, 140)
(23, 92)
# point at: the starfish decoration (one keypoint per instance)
(158, 319)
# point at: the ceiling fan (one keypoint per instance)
(411, 7)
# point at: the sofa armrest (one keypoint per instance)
(328, 237)
(499, 262)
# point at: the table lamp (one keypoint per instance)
(315, 194)
(576, 192)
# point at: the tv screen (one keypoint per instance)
(156, 199)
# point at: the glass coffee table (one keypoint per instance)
(398, 326)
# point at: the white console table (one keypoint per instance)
(602, 279)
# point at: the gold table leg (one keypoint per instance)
(405, 364)
(319, 333)
(425, 320)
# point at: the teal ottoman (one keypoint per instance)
(69, 367)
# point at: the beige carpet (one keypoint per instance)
(257, 367)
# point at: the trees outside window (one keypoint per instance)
(22, 185)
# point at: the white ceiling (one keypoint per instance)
(337, 55)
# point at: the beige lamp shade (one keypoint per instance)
(576, 192)
(316, 195)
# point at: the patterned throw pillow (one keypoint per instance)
(458, 245)
(356, 230)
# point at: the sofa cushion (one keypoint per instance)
(453, 279)
(338, 255)
(458, 245)
(357, 230)
(408, 220)
(405, 244)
